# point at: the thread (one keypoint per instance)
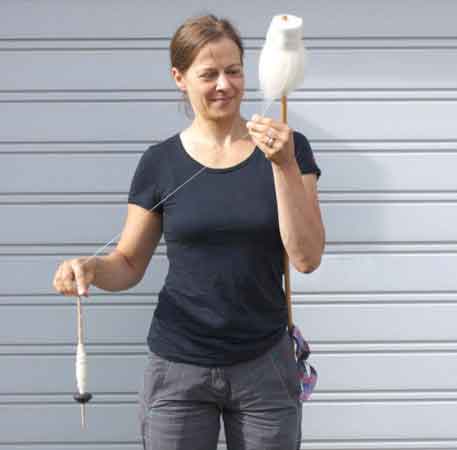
(81, 368)
(100, 249)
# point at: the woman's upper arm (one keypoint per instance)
(139, 238)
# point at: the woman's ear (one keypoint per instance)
(179, 79)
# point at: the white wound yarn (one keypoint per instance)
(282, 59)
(81, 369)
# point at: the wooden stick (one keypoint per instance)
(79, 320)
(286, 257)
(83, 415)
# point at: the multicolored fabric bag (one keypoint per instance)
(307, 373)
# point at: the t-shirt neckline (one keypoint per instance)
(213, 169)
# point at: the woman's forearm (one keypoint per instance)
(300, 222)
(114, 273)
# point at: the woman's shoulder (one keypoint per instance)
(163, 144)
(156, 151)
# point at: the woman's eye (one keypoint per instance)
(232, 72)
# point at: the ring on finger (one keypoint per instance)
(270, 139)
(270, 142)
(270, 133)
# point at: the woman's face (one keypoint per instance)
(215, 81)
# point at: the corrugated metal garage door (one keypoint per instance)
(84, 89)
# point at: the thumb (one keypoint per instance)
(80, 279)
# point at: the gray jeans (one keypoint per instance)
(181, 404)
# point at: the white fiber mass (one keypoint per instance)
(282, 59)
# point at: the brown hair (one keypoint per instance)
(194, 34)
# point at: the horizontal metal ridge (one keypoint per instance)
(122, 43)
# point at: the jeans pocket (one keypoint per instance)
(155, 375)
(284, 365)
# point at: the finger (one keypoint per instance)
(275, 131)
(56, 280)
(80, 279)
(268, 152)
(69, 287)
(59, 280)
(262, 138)
(67, 280)
(266, 121)
(259, 138)
(258, 127)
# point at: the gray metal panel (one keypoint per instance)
(159, 18)
(353, 272)
(119, 325)
(375, 222)
(147, 69)
(348, 169)
(112, 120)
(356, 375)
(357, 421)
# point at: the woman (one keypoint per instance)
(218, 341)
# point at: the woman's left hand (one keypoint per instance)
(281, 151)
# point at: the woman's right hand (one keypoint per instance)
(74, 276)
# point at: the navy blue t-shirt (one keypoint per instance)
(222, 301)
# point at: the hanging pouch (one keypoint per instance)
(307, 373)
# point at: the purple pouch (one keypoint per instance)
(307, 373)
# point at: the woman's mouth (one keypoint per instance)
(222, 100)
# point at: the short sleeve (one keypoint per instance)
(145, 188)
(304, 155)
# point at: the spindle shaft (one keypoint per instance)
(81, 396)
(83, 416)
(79, 321)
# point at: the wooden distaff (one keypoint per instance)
(281, 70)
(287, 287)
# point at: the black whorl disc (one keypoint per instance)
(82, 398)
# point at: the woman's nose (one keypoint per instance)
(222, 82)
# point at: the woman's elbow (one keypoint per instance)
(309, 266)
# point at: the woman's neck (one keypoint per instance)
(221, 133)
